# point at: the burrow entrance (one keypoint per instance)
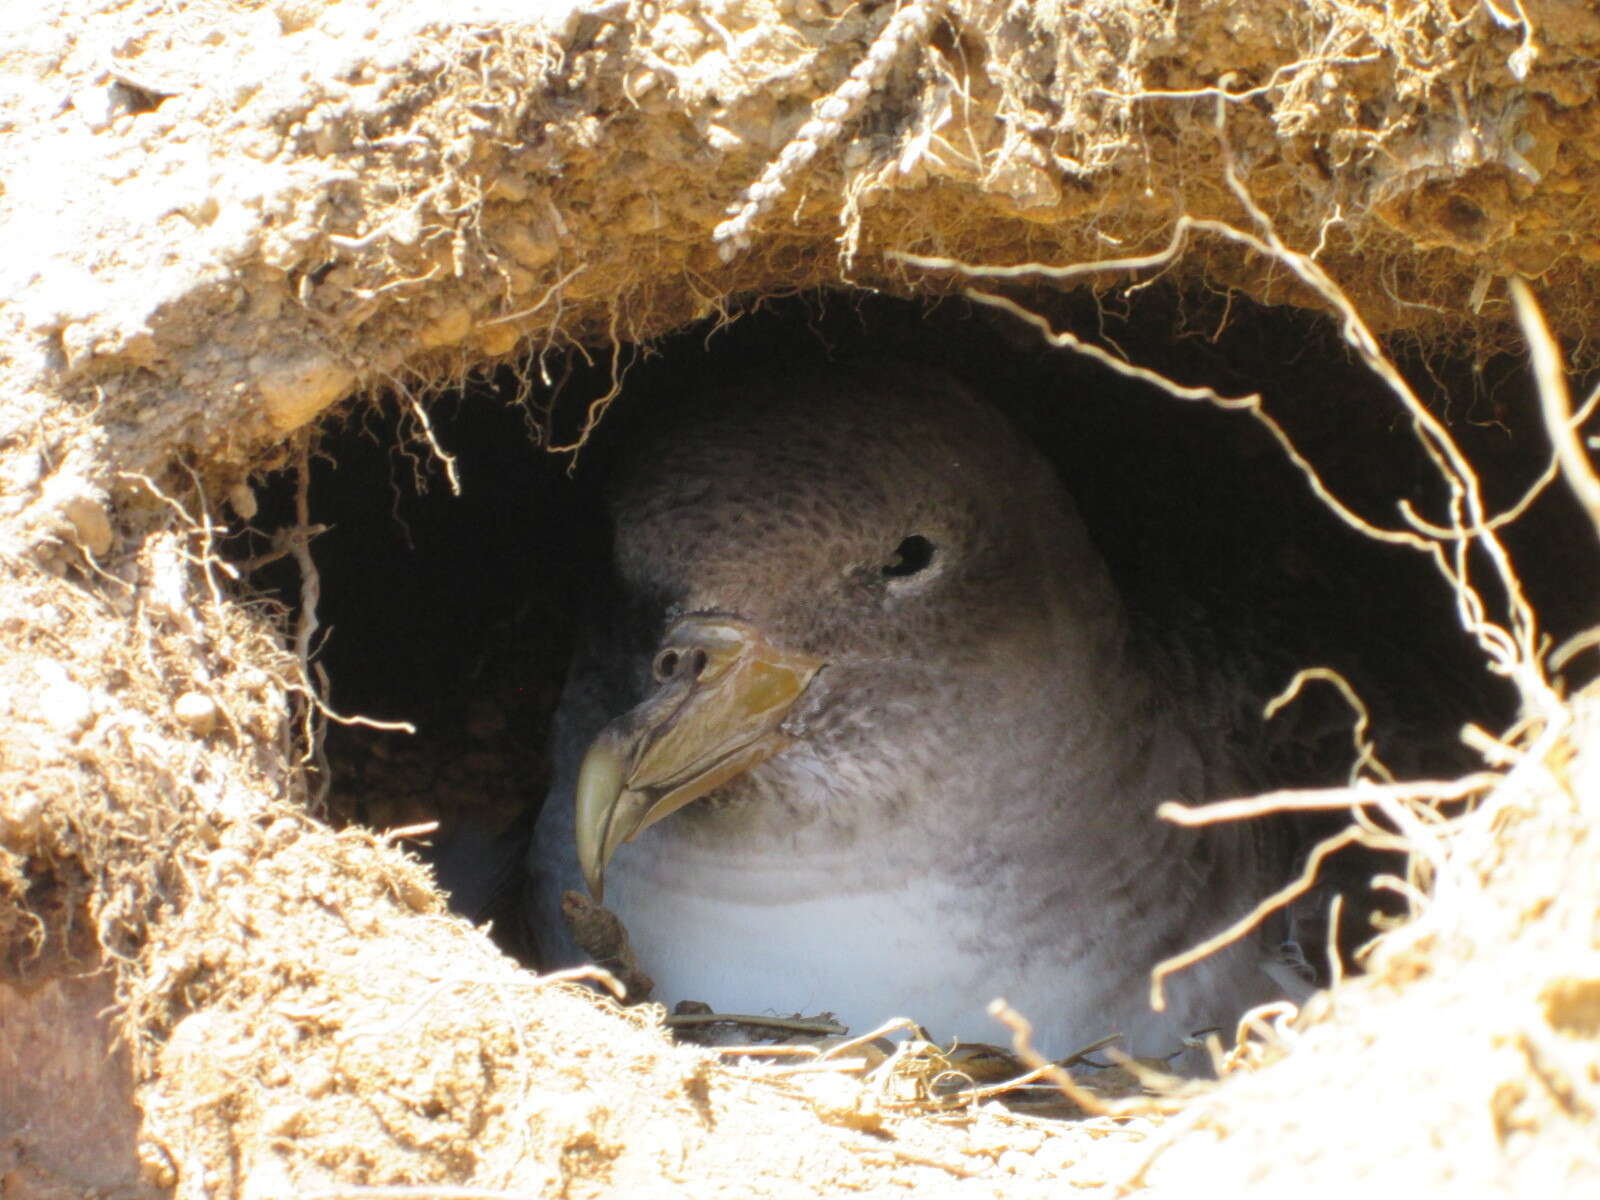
(457, 613)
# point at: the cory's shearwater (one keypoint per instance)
(861, 727)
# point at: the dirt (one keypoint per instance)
(223, 222)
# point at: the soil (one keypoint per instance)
(236, 233)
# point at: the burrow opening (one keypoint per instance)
(457, 613)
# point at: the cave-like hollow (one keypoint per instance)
(457, 612)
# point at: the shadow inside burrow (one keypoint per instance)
(458, 613)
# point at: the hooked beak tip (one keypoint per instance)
(600, 782)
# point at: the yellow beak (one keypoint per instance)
(722, 694)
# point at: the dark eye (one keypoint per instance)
(910, 556)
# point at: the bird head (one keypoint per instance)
(818, 560)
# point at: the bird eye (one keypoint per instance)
(913, 554)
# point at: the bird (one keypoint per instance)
(860, 724)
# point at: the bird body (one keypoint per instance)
(863, 728)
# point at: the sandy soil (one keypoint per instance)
(223, 220)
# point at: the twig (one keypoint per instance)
(1555, 402)
(973, 1094)
(1363, 792)
(911, 1159)
(1572, 647)
(1251, 404)
(812, 1066)
(314, 688)
(550, 293)
(1563, 1081)
(1512, 652)
(787, 1024)
(352, 719)
(896, 1025)
(1035, 270)
(448, 459)
(1366, 752)
(585, 974)
(1220, 92)
(1521, 59)
(1022, 1047)
(1498, 752)
(596, 409)
(1417, 898)
(774, 1050)
(282, 547)
(208, 557)
(307, 623)
(1335, 959)
(1297, 887)
(1264, 1020)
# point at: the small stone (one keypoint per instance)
(841, 1100)
(90, 521)
(1016, 1162)
(295, 387)
(723, 139)
(97, 107)
(84, 510)
(66, 707)
(21, 818)
(445, 330)
(282, 1120)
(497, 340)
(196, 711)
(21, 473)
(154, 1165)
(242, 500)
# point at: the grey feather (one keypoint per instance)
(966, 808)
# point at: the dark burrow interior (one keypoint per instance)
(456, 613)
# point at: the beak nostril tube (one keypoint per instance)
(673, 664)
